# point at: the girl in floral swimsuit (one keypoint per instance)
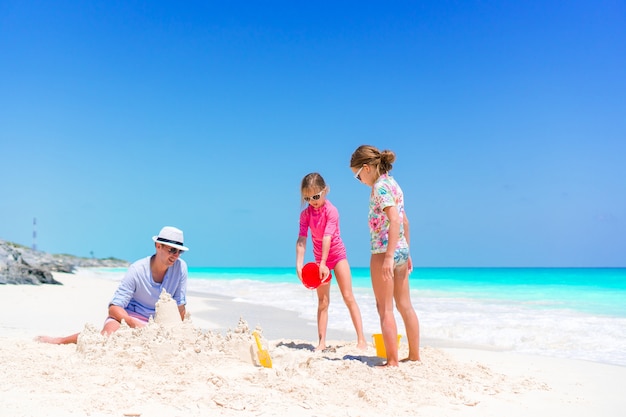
(390, 263)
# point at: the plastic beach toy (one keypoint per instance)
(311, 276)
(264, 356)
(379, 344)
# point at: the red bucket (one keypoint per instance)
(311, 276)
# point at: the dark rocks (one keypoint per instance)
(22, 265)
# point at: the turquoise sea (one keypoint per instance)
(575, 313)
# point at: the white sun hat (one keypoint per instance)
(171, 236)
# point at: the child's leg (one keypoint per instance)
(383, 291)
(344, 280)
(402, 296)
(323, 300)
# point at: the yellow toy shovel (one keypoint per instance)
(264, 355)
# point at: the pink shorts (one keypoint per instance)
(332, 261)
(139, 317)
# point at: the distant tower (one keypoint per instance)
(34, 233)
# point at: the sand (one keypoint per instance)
(208, 365)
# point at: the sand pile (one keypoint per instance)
(179, 370)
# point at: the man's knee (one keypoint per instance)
(110, 326)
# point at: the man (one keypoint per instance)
(135, 299)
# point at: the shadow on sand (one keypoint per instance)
(368, 360)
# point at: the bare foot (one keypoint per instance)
(49, 339)
(411, 360)
(58, 340)
(387, 365)
(320, 347)
(362, 345)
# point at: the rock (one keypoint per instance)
(22, 265)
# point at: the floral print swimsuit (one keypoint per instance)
(386, 193)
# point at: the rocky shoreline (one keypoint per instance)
(22, 265)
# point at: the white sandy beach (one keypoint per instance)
(207, 366)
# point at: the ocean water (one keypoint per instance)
(577, 313)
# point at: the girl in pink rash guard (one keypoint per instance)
(329, 251)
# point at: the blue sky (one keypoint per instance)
(508, 120)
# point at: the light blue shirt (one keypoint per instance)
(139, 293)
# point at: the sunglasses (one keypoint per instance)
(315, 196)
(171, 250)
(357, 175)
